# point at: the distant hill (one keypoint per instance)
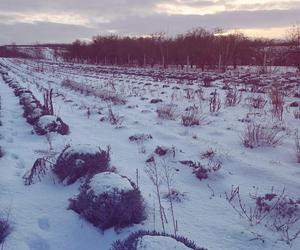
(45, 52)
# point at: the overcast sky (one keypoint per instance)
(31, 21)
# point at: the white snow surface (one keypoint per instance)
(39, 214)
(148, 242)
(81, 149)
(45, 120)
(109, 182)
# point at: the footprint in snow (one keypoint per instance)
(18, 173)
(36, 242)
(44, 223)
(14, 133)
(9, 140)
(15, 115)
(20, 164)
(14, 156)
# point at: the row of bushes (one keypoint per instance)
(105, 93)
(35, 113)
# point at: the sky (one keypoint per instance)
(63, 21)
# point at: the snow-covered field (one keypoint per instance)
(105, 106)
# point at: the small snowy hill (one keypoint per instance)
(52, 53)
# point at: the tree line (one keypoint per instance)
(197, 48)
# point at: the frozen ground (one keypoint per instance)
(38, 213)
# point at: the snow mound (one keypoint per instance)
(81, 149)
(148, 242)
(50, 123)
(109, 182)
(45, 120)
(109, 200)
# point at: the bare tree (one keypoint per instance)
(293, 38)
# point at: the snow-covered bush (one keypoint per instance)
(79, 161)
(233, 97)
(277, 101)
(257, 135)
(166, 111)
(39, 169)
(297, 144)
(190, 93)
(294, 104)
(175, 195)
(202, 171)
(154, 101)
(33, 116)
(162, 151)
(21, 90)
(50, 123)
(109, 200)
(41, 116)
(297, 113)
(114, 118)
(140, 137)
(207, 82)
(0, 113)
(152, 240)
(33, 109)
(111, 96)
(5, 228)
(191, 117)
(214, 102)
(1, 152)
(256, 101)
(102, 92)
(48, 103)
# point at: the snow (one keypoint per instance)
(45, 120)
(160, 242)
(38, 52)
(109, 182)
(39, 213)
(81, 149)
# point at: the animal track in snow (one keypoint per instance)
(20, 164)
(14, 156)
(44, 223)
(36, 242)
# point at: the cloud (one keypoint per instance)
(42, 32)
(174, 24)
(64, 20)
